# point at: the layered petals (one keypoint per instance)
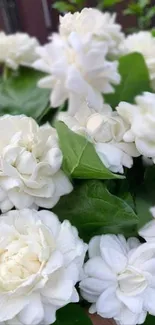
(30, 162)
(119, 280)
(37, 273)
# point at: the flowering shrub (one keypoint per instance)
(77, 139)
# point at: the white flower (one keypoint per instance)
(30, 162)
(17, 49)
(40, 263)
(95, 25)
(141, 118)
(148, 231)
(105, 130)
(144, 43)
(119, 279)
(77, 70)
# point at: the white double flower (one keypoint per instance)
(119, 279)
(40, 263)
(30, 162)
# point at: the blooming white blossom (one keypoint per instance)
(17, 49)
(95, 25)
(40, 263)
(144, 43)
(119, 279)
(148, 231)
(77, 70)
(30, 162)
(105, 130)
(141, 118)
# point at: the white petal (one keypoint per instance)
(113, 252)
(49, 314)
(94, 247)
(111, 156)
(93, 286)
(68, 244)
(134, 303)
(53, 264)
(20, 200)
(108, 305)
(54, 158)
(126, 317)
(62, 184)
(97, 268)
(47, 203)
(58, 291)
(10, 307)
(149, 301)
(50, 220)
(26, 163)
(59, 94)
(148, 231)
(33, 313)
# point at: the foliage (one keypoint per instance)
(133, 71)
(77, 5)
(19, 94)
(94, 210)
(143, 11)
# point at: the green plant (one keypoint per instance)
(143, 11)
(71, 5)
(77, 5)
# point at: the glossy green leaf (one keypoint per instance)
(134, 80)
(72, 314)
(80, 158)
(94, 210)
(19, 94)
(150, 320)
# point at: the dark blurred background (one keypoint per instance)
(38, 18)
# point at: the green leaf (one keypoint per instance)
(72, 314)
(153, 32)
(128, 11)
(135, 8)
(149, 320)
(134, 80)
(62, 6)
(80, 157)
(110, 3)
(144, 3)
(19, 94)
(150, 13)
(143, 203)
(94, 210)
(145, 197)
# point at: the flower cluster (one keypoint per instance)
(42, 259)
(82, 71)
(17, 49)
